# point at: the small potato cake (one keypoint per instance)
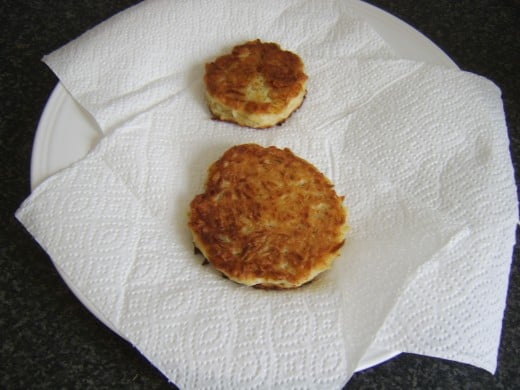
(258, 85)
(267, 218)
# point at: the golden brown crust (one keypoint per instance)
(257, 85)
(267, 218)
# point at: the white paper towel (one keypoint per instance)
(420, 151)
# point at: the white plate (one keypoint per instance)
(66, 132)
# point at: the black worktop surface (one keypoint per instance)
(49, 340)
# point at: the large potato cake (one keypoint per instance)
(267, 218)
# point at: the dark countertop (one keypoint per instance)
(49, 340)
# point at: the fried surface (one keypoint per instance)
(258, 85)
(267, 218)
